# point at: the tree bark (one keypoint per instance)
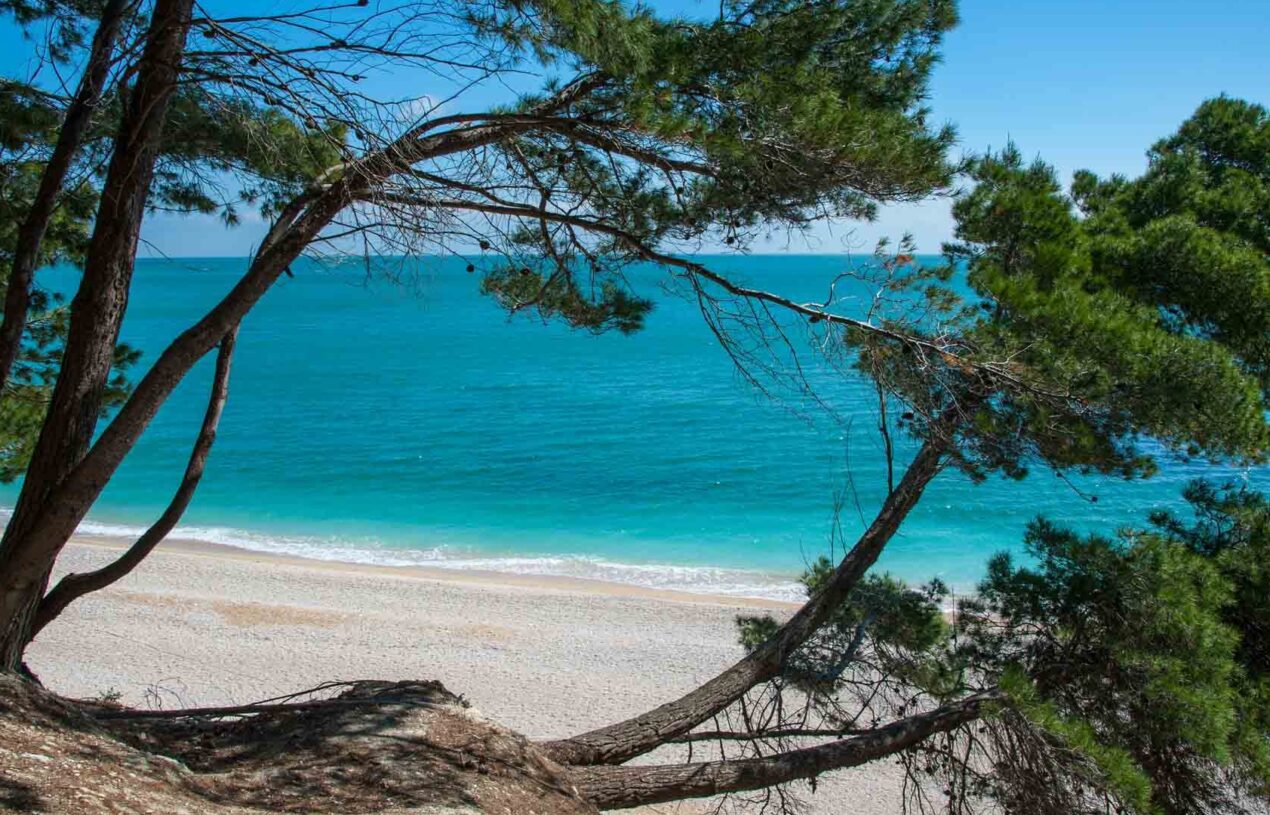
(74, 586)
(96, 315)
(624, 787)
(623, 741)
(30, 239)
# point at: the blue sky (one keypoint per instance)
(1084, 84)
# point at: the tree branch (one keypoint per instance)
(74, 586)
(812, 311)
(766, 735)
(623, 741)
(624, 787)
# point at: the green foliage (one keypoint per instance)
(269, 156)
(1128, 636)
(1100, 766)
(552, 294)
(1128, 309)
(1192, 235)
(1146, 653)
(28, 123)
(787, 112)
(1135, 668)
(27, 393)
(1231, 529)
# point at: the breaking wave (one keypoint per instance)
(696, 579)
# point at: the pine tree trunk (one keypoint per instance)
(97, 312)
(623, 741)
(26, 599)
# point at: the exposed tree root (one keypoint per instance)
(406, 747)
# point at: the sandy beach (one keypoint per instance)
(199, 624)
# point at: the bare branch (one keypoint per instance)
(74, 586)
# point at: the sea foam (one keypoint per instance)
(671, 577)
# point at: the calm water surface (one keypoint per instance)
(415, 423)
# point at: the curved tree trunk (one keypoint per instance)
(624, 787)
(96, 315)
(79, 116)
(74, 586)
(623, 741)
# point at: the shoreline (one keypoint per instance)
(453, 575)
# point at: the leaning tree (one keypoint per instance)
(637, 139)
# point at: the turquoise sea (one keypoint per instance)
(411, 421)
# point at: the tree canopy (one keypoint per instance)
(1125, 310)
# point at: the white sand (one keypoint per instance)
(198, 624)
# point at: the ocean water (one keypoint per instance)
(402, 418)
